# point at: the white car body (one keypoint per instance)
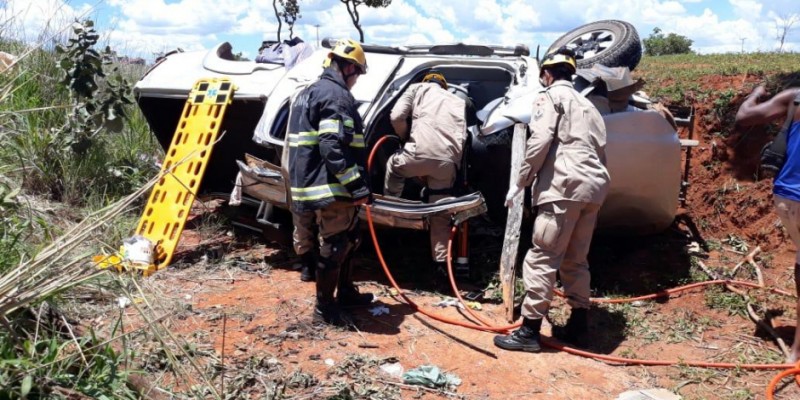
(643, 149)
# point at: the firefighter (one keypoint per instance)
(325, 164)
(565, 162)
(432, 151)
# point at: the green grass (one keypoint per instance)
(675, 78)
(719, 298)
(50, 367)
(36, 147)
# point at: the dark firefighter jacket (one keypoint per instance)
(326, 146)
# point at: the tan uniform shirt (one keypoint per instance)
(438, 127)
(566, 156)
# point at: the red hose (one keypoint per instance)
(408, 300)
(789, 369)
(772, 386)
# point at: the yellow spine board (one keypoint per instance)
(184, 166)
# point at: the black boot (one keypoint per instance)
(327, 310)
(526, 338)
(348, 295)
(441, 279)
(575, 330)
(461, 271)
(309, 266)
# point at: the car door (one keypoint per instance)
(270, 131)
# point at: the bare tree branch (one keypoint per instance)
(783, 26)
(278, 17)
(352, 9)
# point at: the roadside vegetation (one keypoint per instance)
(74, 148)
(677, 78)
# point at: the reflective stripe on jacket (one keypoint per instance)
(326, 146)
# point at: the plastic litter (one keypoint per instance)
(430, 376)
(649, 394)
(453, 302)
(379, 310)
(448, 302)
(395, 370)
(694, 248)
(329, 362)
(123, 302)
(138, 250)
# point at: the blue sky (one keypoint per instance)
(145, 27)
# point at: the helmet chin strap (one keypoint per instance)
(347, 76)
(341, 66)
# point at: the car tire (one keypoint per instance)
(611, 43)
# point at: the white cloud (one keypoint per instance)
(37, 20)
(146, 26)
(746, 9)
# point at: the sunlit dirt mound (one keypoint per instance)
(724, 197)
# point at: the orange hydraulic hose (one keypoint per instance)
(789, 369)
(671, 291)
(772, 386)
(408, 300)
(449, 262)
(458, 293)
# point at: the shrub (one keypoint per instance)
(658, 45)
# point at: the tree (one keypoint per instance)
(291, 13)
(278, 16)
(658, 45)
(288, 13)
(352, 9)
(783, 26)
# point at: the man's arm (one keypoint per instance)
(400, 113)
(336, 130)
(543, 126)
(753, 112)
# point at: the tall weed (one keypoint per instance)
(67, 138)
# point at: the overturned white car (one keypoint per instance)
(643, 149)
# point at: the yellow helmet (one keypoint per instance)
(560, 56)
(350, 51)
(436, 77)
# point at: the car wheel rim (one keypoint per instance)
(591, 44)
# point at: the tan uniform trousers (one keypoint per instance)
(303, 237)
(437, 175)
(337, 218)
(562, 233)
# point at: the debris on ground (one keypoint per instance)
(430, 376)
(649, 394)
(395, 369)
(123, 302)
(453, 302)
(379, 310)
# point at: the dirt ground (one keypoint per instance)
(243, 290)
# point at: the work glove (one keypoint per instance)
(513, 191)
